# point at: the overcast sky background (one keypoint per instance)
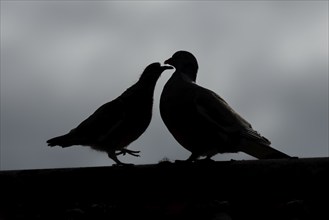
(61, 60)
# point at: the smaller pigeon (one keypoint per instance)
(201, 121)
(113, 126)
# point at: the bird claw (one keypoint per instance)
(126, 151)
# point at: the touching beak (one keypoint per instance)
(169, 61)
(167, 67)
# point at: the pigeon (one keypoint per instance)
(204, 123)
(114, 125)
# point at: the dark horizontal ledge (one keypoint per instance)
(247, 184)
(289, 175)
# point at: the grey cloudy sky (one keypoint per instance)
(62, 60)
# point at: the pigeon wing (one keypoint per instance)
(216, 111)
(102, 121)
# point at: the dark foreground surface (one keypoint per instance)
(258, 189)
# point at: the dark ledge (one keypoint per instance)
(254, 189)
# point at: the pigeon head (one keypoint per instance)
(184, 62)
(152, 72)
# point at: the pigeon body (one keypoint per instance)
(113, 126)
(201, 121)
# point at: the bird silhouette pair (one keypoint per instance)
(200, 120)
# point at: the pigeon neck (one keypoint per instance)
(145, 87)
(149, 82)
(186, 75)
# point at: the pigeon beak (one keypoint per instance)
(168, 67)
(169, 61)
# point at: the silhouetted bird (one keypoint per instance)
(201, 121)
(116, 124)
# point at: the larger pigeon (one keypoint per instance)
(113, 126)
(201, 121)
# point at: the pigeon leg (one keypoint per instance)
(113, 156)
(121, 152)
(131, 152)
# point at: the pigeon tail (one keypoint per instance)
(261, 151)
(63, 141)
